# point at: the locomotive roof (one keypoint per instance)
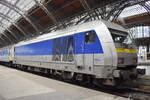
(74, 29)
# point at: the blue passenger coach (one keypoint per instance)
(4, 54)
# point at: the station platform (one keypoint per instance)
(19, 85)
(144, 82)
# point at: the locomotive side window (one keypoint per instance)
(89, 37)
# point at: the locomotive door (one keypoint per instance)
(84, 49)
(79, 49)
(89, 39)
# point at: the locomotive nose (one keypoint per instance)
(127, 59)
(126, 56)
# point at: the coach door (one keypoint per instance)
(89, 39)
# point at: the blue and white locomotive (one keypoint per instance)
(96, 50)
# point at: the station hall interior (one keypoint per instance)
(34, 34)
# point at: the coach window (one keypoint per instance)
(89, 37)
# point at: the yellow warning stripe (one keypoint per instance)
(121, 50)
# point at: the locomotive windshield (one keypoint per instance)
(120, 36)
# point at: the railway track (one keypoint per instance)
(134, 94)
(127, 92)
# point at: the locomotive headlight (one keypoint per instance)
(134, 60)
(120, 60)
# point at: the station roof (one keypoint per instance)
(25, 19)
(135, 20)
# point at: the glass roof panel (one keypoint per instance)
(134, 10)
(13, 15)
(1, 29)
(12, 1)
(4, 9)
(147, 3)
(6, 23)
(25, 4)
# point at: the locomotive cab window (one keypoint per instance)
(89, 37)
(120, 36)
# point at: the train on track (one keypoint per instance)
(98, 51)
